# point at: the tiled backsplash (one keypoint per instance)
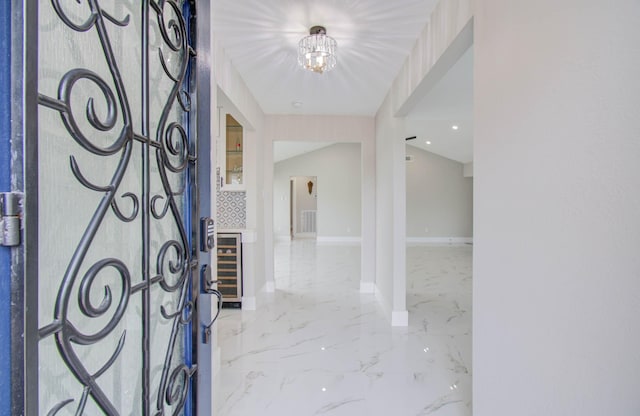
(231, 208)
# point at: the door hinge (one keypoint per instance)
(11, 208)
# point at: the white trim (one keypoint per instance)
(304, 235)
(337, 239)
(386, 308)
(248, 303)
(215, 363)
(293, 204)
(283, 238)
(249, 236)
(400, 318)
(367, 287)
(378, 294)
(270, 287)
(439, 240)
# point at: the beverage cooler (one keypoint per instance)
(229, 251)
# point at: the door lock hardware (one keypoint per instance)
(205, 279)
(207, 287)
(206, 333)
(207, 234)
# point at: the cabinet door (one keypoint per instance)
(232, 151)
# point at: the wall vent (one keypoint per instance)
(308, 221)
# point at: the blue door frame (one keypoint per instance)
(11, 390)
(5, 185)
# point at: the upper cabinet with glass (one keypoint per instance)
(232, 171)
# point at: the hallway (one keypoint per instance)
(317, 346)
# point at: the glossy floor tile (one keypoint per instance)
(318, 347)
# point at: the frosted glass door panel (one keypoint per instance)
(115, 179)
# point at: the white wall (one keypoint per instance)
(557, 226)
(468, 170)
(444, 39)
(332, 129)
(391, 276)
(226, 78)
(255, 210)
(439, 198)
(230, 82)
(337, 169)
(442, 42)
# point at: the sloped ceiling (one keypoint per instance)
(449, 103)
(374, 38)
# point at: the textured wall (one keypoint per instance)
(556, 296)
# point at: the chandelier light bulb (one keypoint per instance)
(317, 52)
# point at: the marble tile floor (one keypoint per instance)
(319, 347)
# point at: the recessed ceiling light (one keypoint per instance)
(455, 127)
(428, 142)
(296, 104)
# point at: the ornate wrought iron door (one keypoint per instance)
(116, 193)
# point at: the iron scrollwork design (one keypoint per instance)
(174, 262)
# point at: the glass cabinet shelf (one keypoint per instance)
(234, 154)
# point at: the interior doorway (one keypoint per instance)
(303, 206)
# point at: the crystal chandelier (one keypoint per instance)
(317, 52)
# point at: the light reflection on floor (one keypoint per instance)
(319, 347)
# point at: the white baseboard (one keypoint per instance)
(338, 239)
(270, 287)
(367, 287)
(439, 240)
(305, 235)
(282, 238)
(248, 303)
(400, 318)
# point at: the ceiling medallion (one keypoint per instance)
(317, 52)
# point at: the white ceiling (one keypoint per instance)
(449, 103)
(374, 39)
